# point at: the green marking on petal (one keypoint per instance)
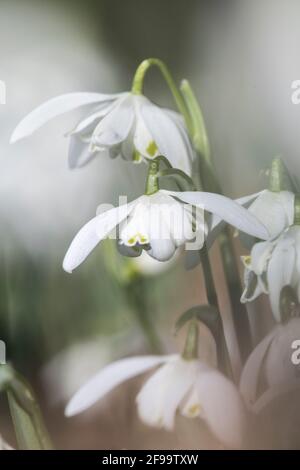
(246, 260)
(194, 410)
(143, 239)
(136, 156)
(152, 149)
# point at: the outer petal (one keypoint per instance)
(223, 408)
(167, 136)
(274, 392)
(252, 370)
(108, 378)
(55, 107)
(280, 271)
(228, 210)
(161, 395)
(275, 210)
(87, 124)
(92, 233)
(79, 152)
(247, 200)
(217, 224)
(114, 128)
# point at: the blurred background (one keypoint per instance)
(241, 58)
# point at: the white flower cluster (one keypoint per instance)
(159, 222)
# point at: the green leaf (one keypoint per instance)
(183, 181)
(280, 179)
(29, 426)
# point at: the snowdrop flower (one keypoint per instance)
(160, 223)
(271, 266)
(274, 209)
(123, 124)
(269, 370)
(189, 386)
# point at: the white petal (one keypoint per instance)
(162, 250)
(55, 107)
(92, 233)
(79, 153)
(161, 395)
(247, 200)
(260, 255)
(114, 128)
(228, 210)
(279, 274)
(252, 370)
(223, 408)
(108, 378)
(216, 224)
(275, 210)
(279, 367)
(142, 138)
(273, 393)
(167, 136)
(87, 124)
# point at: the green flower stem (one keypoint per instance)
(297, 209)
(26, 415)
(223, 354)
(138, 298)
(138, 84)
(209, 182)
(190, 351)
(276, 175)
(152, 185)
(239, 311)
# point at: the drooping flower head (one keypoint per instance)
(269, 370)
(192, 387)
(271, 266)
(124, 124)
(159, 223)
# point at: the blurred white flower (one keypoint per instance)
(269, 370)
(189, 386)
(148, 266)
(68, 370)
(275, 210)
(160, 223)
(123, 124)
(271, 266)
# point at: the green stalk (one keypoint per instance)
(137, 295)
(29, 426)
(138, 84)
(190, 350)
(297, 209)
(152, 184)
(223, 354)
(209, 182)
